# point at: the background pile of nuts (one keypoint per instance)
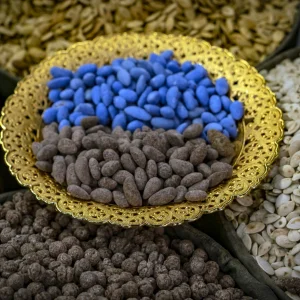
(48, 255)
(268, 221)
(31, 30)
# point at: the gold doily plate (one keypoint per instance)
(263, 127)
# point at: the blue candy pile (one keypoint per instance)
(159, 92)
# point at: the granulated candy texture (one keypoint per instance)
(148, 165)
(90, 261)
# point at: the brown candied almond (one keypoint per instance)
(221, 143)
(193, 131)
(82, 170)
(181, 167)
(140, 178)
(174, 138)
(59, 169)
(195, 195)
(78, 192)
(101, 195)
(173, 181)
(163, 196)
(153, 154)
(138, 156)
(153, 185)
(131, 192)
(182, 153)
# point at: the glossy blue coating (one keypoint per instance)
(189, 100)
(69, 104)
(153, 97)
(79, 96)
(181, 111)
(89, 79)
(182, 127)
(105, 71)
(86, 109)
(62, 113)
(53, 95)
(76, 83)
(140, 85)
(167, 112)
(133, 125)
(162, 123)
(86, 68)
(202, 95)
(119, 102)
(112, 111)
(226, 103)
(49, 115)
(119, 120)
(138, 113)
(58, 83)
(215, 104)
(236, 110)
(129, 95)
(62, 124)
(96, 94)
(116, 87)
(102, 114)
(173, 96)
(60, 72)
(222, 86)
(66, 94)
(124, 77)
(153, 110)
(106, 94)
(158, 92)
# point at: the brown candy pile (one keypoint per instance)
(148, 167)
(46, 255)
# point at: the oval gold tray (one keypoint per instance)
(263, 127)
